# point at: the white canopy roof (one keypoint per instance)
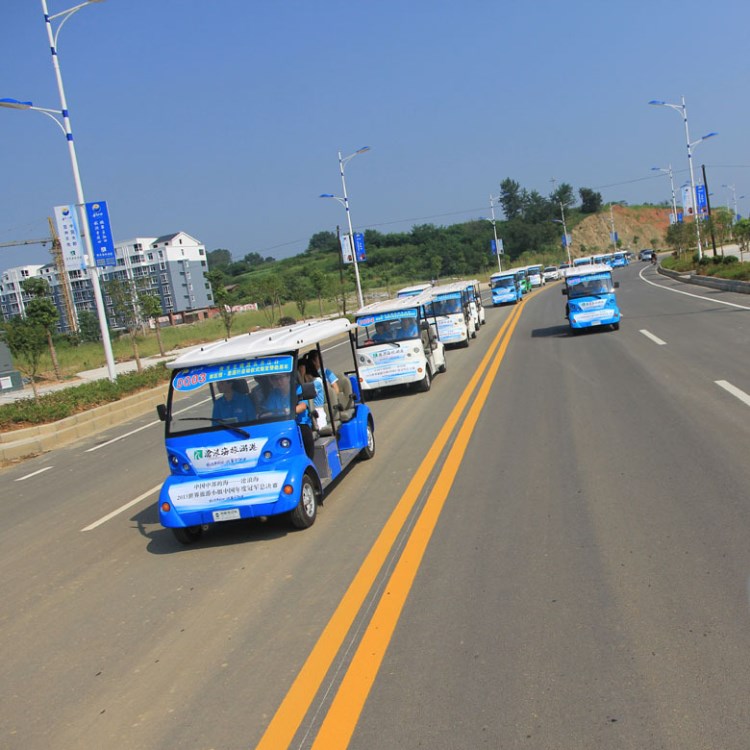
(588, 270)
(398, 303)
(263, 343)
(456, 286)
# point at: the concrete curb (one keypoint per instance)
(726, 285)
(32, 441)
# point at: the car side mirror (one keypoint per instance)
(564, 290)
(161, 410)
(617, 284)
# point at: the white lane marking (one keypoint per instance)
(138, 429)
(653, 338)
(121, 437)
(729, 388)
(689, 294)
(122, 508)
(33, 474)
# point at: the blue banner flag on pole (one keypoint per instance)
(359, 247)
(101, 234)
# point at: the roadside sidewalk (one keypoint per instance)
(88, 376)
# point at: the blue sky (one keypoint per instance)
(224, 118)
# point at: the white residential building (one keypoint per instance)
(172, 267)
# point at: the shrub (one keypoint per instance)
(57, 405)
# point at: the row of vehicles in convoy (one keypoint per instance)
(510, 286)
(258, 426)
(588, 285)
(613, 260)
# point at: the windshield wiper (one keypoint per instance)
(221, 422)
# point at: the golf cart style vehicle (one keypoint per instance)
(506, 288)
(451, 309)
(397, 345)
(246, 439)
(475, 302)
(591, 298)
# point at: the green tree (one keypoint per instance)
(123, 298)
(719, 226)
(591, 201)
(224, 299)
(88, 326)
(436, 266)
(323, 242)
(741, 235)
(321, 284)
(42, 311)
(151, 308)
(299, 289)
(26, 341)
(511, 198)
(271, 288)
(679, 236)
(564, 194)
(220, 258)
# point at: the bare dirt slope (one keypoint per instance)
(637, 227)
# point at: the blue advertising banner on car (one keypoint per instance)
(101, 234)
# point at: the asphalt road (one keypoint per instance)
(549, 550)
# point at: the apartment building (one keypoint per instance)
(173, 267)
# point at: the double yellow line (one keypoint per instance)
(347, 705)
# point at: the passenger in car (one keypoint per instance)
(234, 404)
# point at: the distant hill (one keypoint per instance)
(636, 227)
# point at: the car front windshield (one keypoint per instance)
(387, 328)
(506, 283)
(449, 306)
(588, 286)
(232, 395)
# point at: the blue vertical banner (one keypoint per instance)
(359, 247)
(101, 234)
(613, 238)
(497, 247)
(493, 247)
(701, 200)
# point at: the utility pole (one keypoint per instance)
(62, 274)
(708, 207)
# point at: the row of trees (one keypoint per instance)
(425, 252)
(29, 336)
(718, 230)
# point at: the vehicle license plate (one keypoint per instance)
(226, 515)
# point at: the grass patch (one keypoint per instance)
(727, 267)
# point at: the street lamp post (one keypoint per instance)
(734, 200)
(668, 170)
(345, 203)
(62, 118)
(494, 231)
(682, 109)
